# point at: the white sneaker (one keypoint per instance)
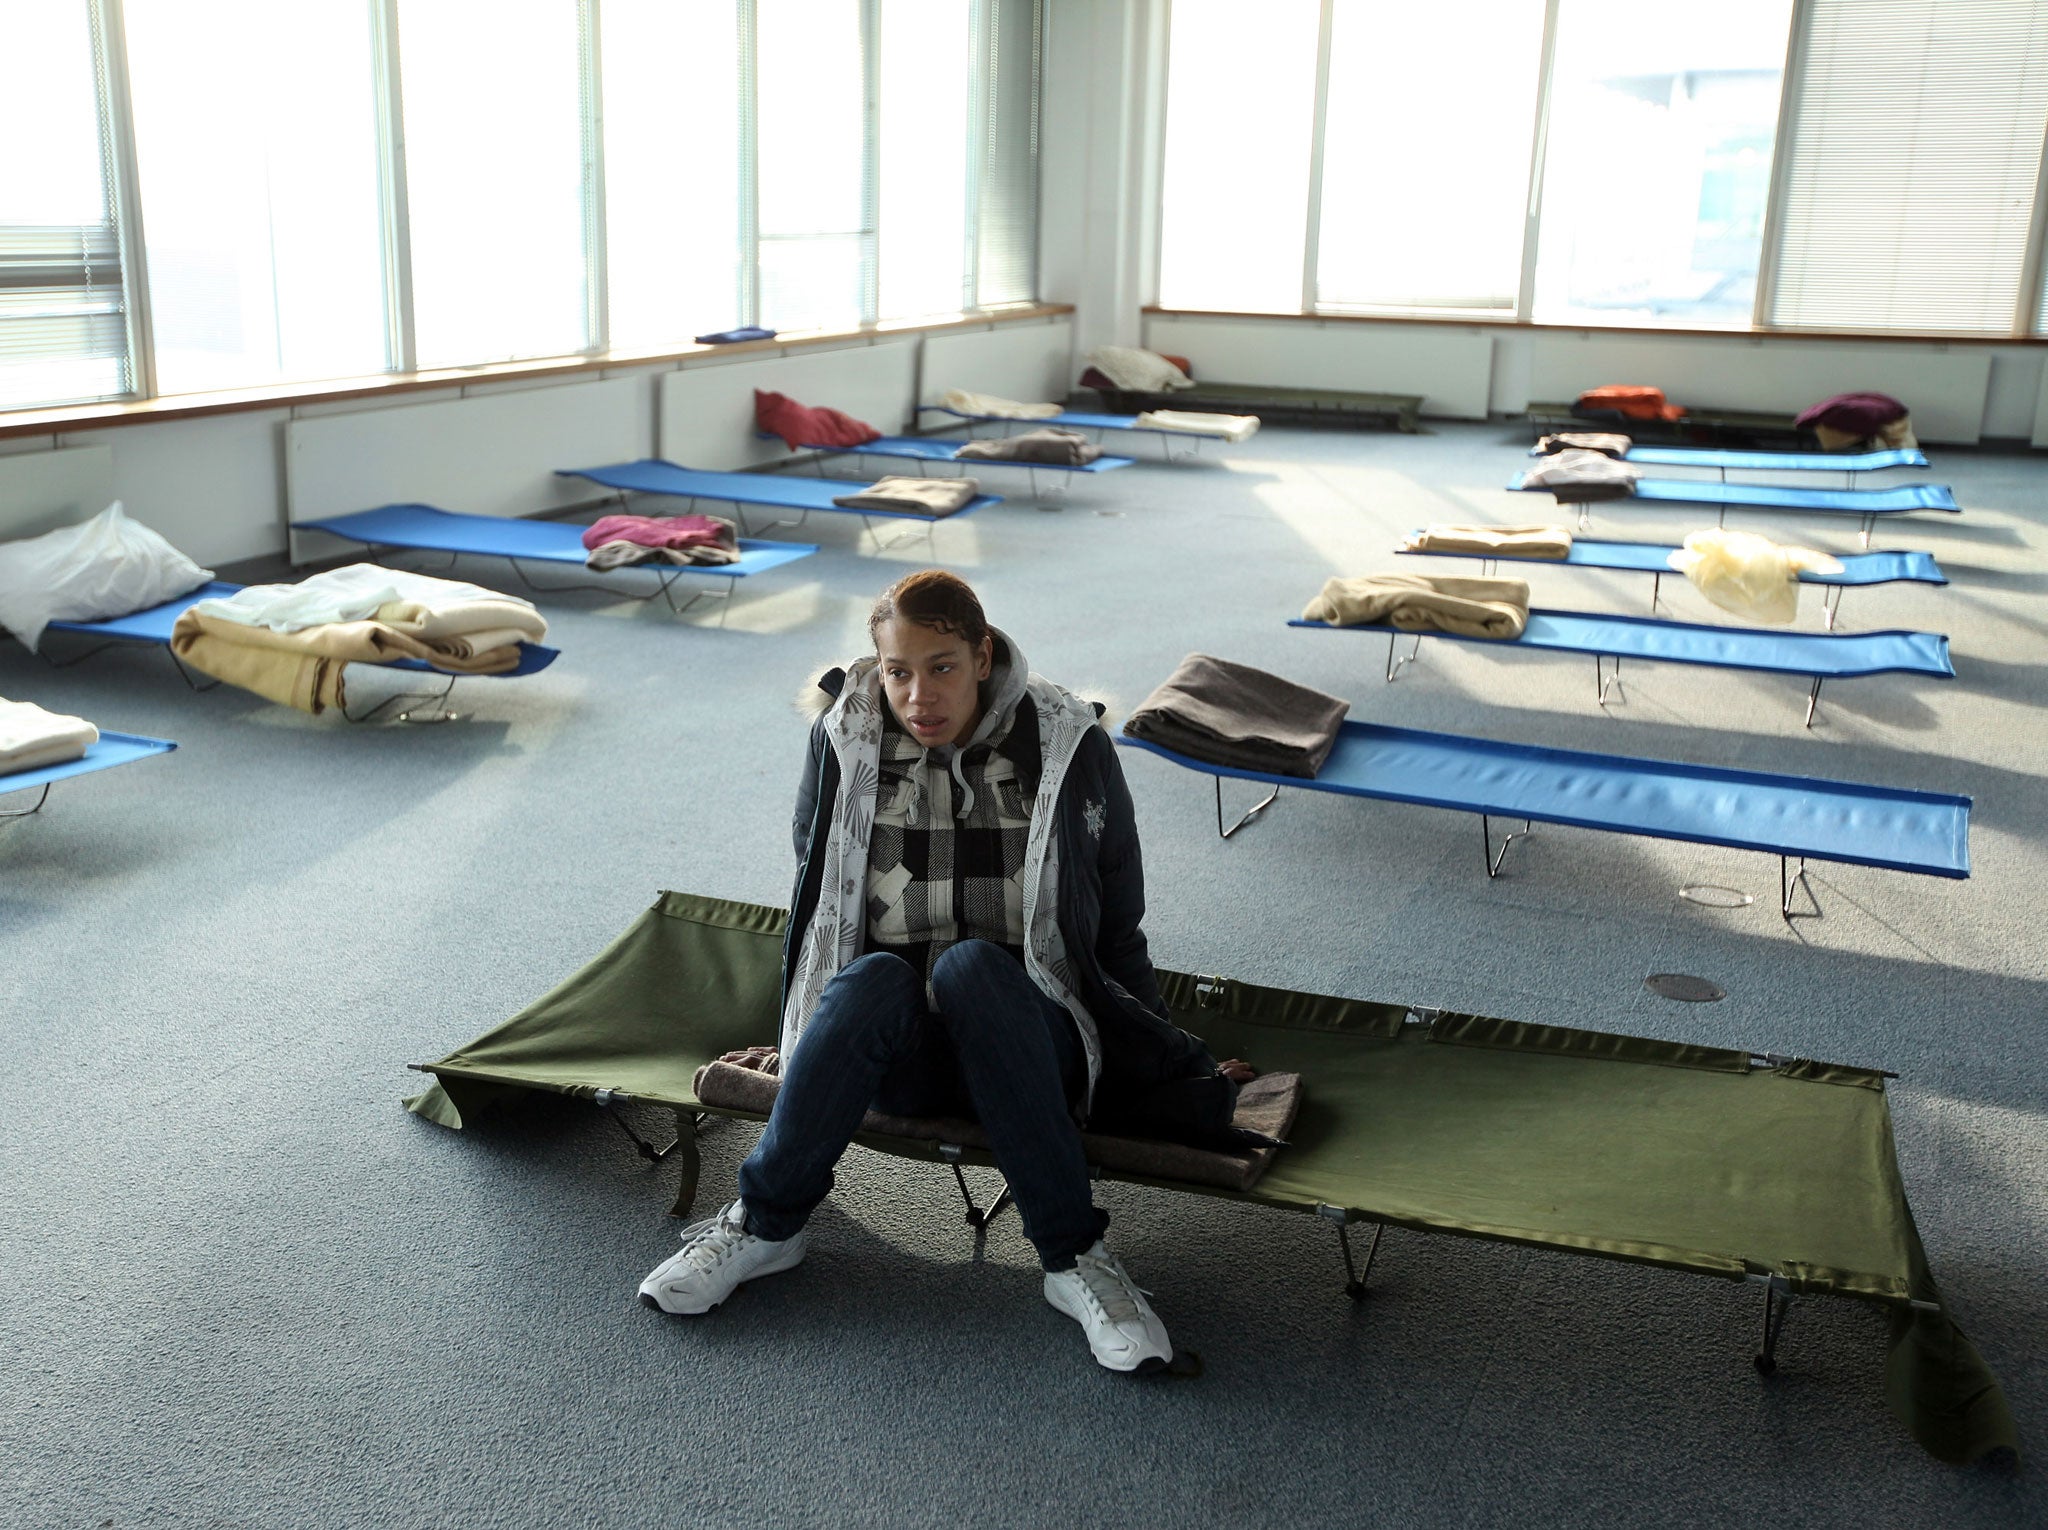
(717, 1255)
(1122, 1329)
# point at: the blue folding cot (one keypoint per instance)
(1725, 462)
(112, 749)
(1818, 656)
(652, 475)
(1098, 423)
(1866, 503)
(154, 626)
(423, 528)
(1654, 559)
(923, 449)
(1792, 817)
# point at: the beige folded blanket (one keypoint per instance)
(1486, 608)
(1267, 1105)
(1607, 443)
(463, 618)
(960, 401)
(1493, 541)
(1232, 427)
(304, 669)
(31, 738)
(932, 497)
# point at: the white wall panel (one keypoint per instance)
(1451, 367)
(40, 491)
(490, 455)
(707, 408)
(1945, 389)
(1031, 362)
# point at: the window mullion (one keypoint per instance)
(124, 184)
(1794, 80)
(747, 16)
(590, 91)
(1311, 238)
(2027, 302)
(870, 160)
(1532, 229)
(981, 56)
(401, 347)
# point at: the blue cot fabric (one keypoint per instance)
(1892, 828)
(112, 749)
(1654, 558)
(651, 475)
(1775, 462)
(1897, 501)
(495, 536)
(1826, 655)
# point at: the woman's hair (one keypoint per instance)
(933, 598)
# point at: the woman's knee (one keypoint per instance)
(973, 959)
(879, 994)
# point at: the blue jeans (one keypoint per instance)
(997, 1049)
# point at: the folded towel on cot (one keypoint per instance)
(1266, 1108)
(1607, 443)
(960, 401)
(418, 604)
(1231, 714)
(1058, 448)
(304, 669)
(1577, 476)
(932, 497)
(615, 541)
(1748, 574)
(1137, 371)
(1493, 541)
(1485, 608)
(31, 738)
(1232, 427)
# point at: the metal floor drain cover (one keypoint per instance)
(1709, 895)
(1684, 988)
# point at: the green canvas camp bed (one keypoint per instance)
(1745, 1166)
(1697, 427)
(1276, 405)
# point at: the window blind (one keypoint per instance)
(1005, 196)
(1911, 162)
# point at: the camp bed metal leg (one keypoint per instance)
(41, 798)
(608, 1101)
(1604, 681)
(1869, 525)
(186, 675)
(1789, 882)
(1259, 808)
(1831, 605)
(977, 1217)
(1354, 1277)
(431, 698)
(1812, 700)
(908, 536)
(1393, 668)
(1656, 586)
(1777, 1307)
(1486, 837)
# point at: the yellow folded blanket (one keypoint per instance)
(1493, 541)
(1488, 608)
(31, 738)
(304, 669)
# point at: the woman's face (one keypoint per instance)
(932, 680)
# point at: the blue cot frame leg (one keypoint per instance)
(1605, 682)
(1413, 653)
(1487, 853)
(1354, 1277)
(431, 698)
(978, 1217)
(41, 797)
(1789, 883)
(1257, 808)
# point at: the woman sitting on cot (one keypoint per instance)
(964, 941)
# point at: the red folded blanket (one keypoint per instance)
(802, 425)
(659, 531)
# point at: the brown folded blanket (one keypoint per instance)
(1577, 476)
(932, 497)
(304, 669)
(1608, 443)
(1487, 608)
(1267, 1105)
(1059, 448)
(1231, 714)
(1493, 541)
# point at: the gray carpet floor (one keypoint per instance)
(243, 1288)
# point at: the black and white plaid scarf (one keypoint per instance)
(946, 865)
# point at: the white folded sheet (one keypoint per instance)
(31, 738)
(960, 401)
(418, 604)
(1232, 427)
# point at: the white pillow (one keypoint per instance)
(1136, 370)
(110, 566)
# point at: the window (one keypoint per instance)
(1005, 194)
(1657, 171)
(1240, 120)
(494, 179)
(816, 247)
(257, 153)
(1440, 228)
(63, 318)
(1913, 162)
(925, 128)
(671, 169)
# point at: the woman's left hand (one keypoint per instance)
(1237, 1070)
